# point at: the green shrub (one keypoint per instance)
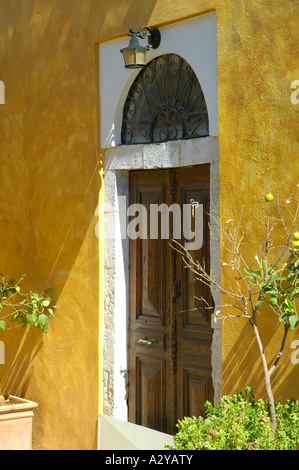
(240, 423)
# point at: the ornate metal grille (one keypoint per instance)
(165, 102)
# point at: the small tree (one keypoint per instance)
(271, 277)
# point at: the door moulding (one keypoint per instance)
(118, 162)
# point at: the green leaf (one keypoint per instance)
(293, 320)
(273, 301)
(259, 304)
(46, 327)
(289, 305)
(269, 290)
(51, 312)
(273, 268)
(282, 316)
(45, 303)
(253, 273)
(2, 324)
(32, 318)
(291, 275)
(34, 296)
(42, 318)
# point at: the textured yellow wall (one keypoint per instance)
(49, 193)
(50, 178)
(258, 130)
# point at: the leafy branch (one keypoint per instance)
(24, 308)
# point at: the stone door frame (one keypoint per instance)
(118, 162)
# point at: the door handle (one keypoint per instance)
(147, 341)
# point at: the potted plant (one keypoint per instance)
(20, 309)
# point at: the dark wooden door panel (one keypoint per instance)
(169, 332)
(196, 390)
(151, 377)
(194, 333)
(150, 258)
(149, 363)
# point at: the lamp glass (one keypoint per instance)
(134, 58)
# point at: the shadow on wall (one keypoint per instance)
(17, 370)
(52, 127)
(238, 370)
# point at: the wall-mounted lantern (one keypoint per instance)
(135, 55)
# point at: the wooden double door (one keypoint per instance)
(170, 335)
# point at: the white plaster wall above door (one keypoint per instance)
(195, 40)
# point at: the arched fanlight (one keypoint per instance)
(165, 102)
(135, 55)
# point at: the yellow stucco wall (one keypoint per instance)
(49, 193)
(50, 181)
(258, 129)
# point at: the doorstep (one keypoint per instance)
(115, 434)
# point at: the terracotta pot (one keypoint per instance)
(16, 424)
